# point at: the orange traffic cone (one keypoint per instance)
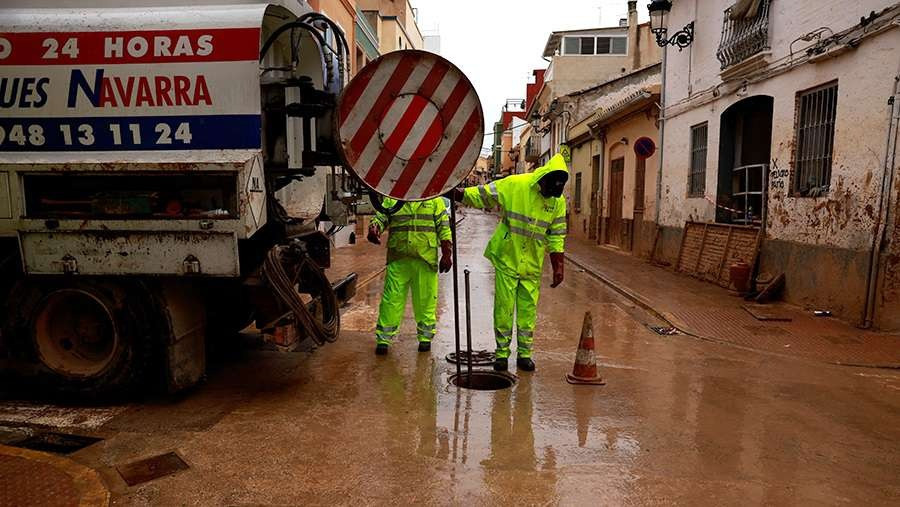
(585, 370)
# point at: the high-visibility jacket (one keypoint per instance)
(530, 224)
(416, 229)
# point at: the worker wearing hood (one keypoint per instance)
(533, 221)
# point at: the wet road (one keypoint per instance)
(679, 422)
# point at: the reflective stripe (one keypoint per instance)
(414, 228)
(539, 236)
(526, 218)
(525, 332)
(384, 337)
(494, 192)
(558, 232)
(426, 334)
(387, 329)
(486, 199)
(425, 326)
(441, 215)
(413, 216)
(524, 346)
(559, 220)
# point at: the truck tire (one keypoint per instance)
(91, 338)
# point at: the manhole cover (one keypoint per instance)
(664, 330)
(479, 357)
(151, 468)
(483, 380)
(58, 443)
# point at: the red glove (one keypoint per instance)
(557, 259)
(446, 256)
(374, 234)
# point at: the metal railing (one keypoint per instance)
(750, 193)
(743, 37)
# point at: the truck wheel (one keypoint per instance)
(90, 338)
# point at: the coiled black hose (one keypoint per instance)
(308, 275)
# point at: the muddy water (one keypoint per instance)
(679, 421)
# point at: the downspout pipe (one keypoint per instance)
(662, 134)
(884, 200)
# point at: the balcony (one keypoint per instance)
(744, 37)
(532, 150)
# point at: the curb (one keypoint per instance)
(629, 294)
(681, 327)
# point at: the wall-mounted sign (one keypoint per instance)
(644, 147)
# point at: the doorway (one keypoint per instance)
(745, 146)
(616, 197)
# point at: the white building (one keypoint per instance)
(780, 117)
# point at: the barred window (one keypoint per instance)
(815, 117)
(697, 175)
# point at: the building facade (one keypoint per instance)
(580, 59)
(782, 116)
(394, 22)
(612, 193)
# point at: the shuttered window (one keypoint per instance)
(814, 145)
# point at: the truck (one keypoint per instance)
(165, 174)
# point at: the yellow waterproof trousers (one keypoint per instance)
(400, 276)
(515, 297)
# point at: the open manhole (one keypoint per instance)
(479, 357)
(57, 443)
(483, 380)
(138, 472)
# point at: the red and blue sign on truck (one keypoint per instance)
(149, 89)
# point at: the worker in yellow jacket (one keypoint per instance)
(415, 231)
(533, 221)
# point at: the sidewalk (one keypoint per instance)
(712, 313)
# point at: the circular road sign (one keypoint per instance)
(410, 125)
(644, 147)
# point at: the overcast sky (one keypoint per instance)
(497, 43)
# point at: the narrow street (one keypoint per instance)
(679, 421)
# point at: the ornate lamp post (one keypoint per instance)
(659, 25)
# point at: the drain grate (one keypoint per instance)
(479, 357)
(58, 443)
(483, 380)
(139, 472)
(664, 330)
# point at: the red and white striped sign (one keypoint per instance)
(410, 125)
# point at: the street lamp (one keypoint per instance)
(659, 25)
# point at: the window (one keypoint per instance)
(590, 45)
(697, 176)
(814, 140)
(577, 197)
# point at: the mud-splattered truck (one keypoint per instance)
(163, 175)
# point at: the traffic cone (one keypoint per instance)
(585, 370)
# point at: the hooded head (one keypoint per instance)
(552, 176)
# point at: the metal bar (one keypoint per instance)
(455, 285)
(468, 327)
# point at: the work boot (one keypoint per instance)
(501, 364)
(381, 349)
(424, 346)
(525, 364)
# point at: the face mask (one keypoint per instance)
(553, 186)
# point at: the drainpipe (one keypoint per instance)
(884, 209)
(662, 134)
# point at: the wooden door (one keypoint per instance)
(616, 195)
